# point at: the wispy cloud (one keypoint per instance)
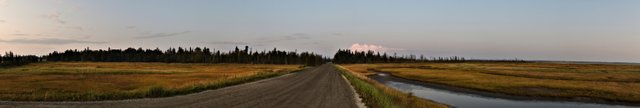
(131, 27)
(55, 17)
(295, 36)
(20, 34)
(42, 35)
(76, 28)
(159, 35)
(227, 43)
(50, 41)
(264, 40)
(2, 21)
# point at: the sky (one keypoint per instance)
(576, 30)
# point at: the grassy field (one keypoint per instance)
(377, 95)
(84, 81)
(609, 82)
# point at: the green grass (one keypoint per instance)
(372, 95)
(376, 95)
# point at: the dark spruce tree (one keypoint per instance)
(11, 59)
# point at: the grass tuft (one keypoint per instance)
(157, 91)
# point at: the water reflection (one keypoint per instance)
(467, 100)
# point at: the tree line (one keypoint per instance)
(11, 59)
(206, 55)
(346, 56)
(171, 55)
(188, 55)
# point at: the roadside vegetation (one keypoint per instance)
(90, 81)
(377, 95)
(608, 82)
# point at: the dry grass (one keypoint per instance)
(55, 81)
(377, 95)
(595, 81)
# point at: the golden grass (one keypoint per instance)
(596, 81)
(54, 81)
(376, 95)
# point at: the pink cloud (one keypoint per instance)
(367, 47)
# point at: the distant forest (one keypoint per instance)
(172, 55)
(206, 55)
(346, 56)
(11, 59)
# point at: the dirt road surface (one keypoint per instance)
(319, 87)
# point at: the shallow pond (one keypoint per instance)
(471, 100)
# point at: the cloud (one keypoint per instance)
(50, 41)
(159, 35)
(131, 27)
(2, 21)
(21, 34)
(367, 47)
(295, 36)
(227, 43)
(265, 40)
(55, 17)
(76, 28)
(51, 35)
